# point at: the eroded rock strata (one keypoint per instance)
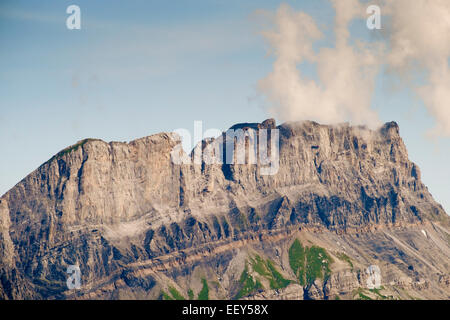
(140, 226)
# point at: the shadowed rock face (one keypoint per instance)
(136, 223)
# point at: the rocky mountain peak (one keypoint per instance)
(128, 202)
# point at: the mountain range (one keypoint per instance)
(346, 216)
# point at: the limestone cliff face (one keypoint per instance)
(117, 208)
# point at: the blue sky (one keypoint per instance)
(141, 67)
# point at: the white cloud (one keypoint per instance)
(346, 72)
(417, 39)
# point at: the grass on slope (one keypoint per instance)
(204, 293)
(359, 293)
(174, 295)
(165, 295)
(297, 260)
(318, 264)
(268, 271)
(69, 149)
(248, 284)
(309, 263)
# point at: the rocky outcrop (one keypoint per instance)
(116, 207)
(291, 292)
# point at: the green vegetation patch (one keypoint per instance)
(362, 296)
(174, 294)
(165, 295)
(268, 271)
(277, 281)
(378, 293)
(204, 293)
(309, 263)
(318, 266)
(248, 284)
(191, 294)
(297, 260)
(359, 294)
(70, 149)
(259, 266)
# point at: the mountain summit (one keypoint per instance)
(344, 201)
